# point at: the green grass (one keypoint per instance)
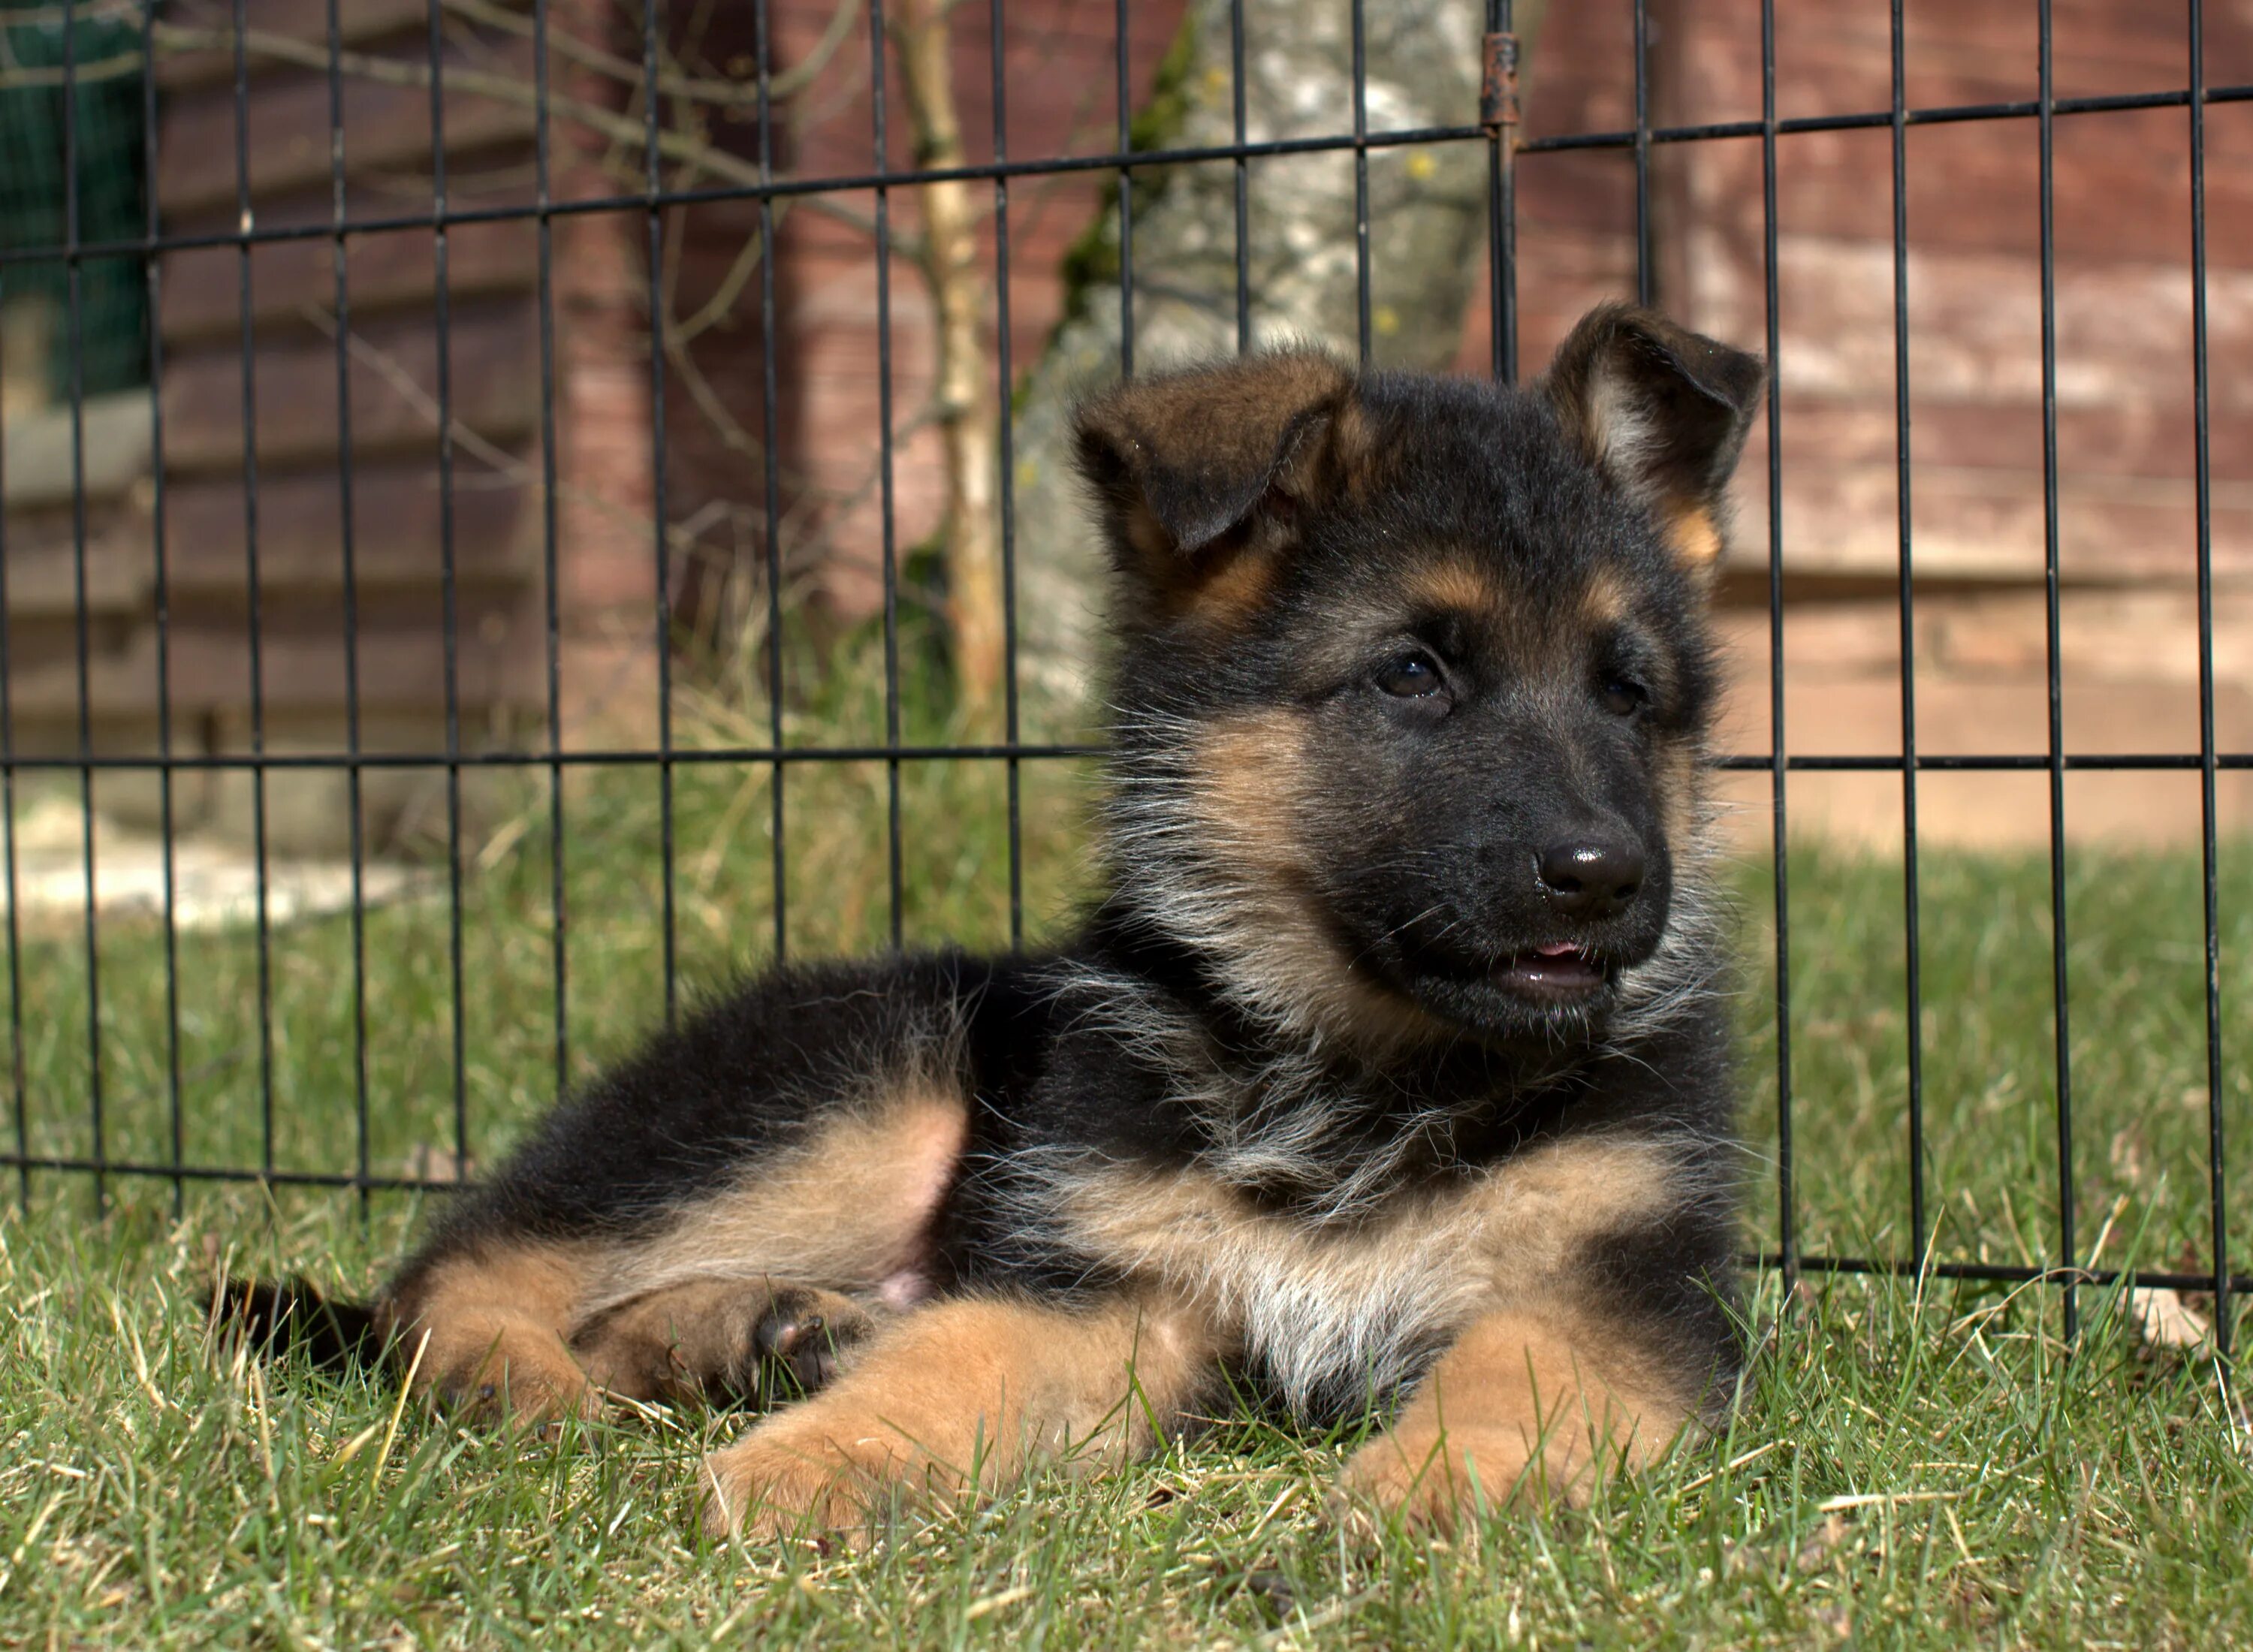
(1912, 1464)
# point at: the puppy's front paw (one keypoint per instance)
(778, 1482)
(1433, 1479)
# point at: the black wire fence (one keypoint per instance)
(68, 261)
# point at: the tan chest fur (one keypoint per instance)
(1332, 1311)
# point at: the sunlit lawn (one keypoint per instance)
(1914, 1464)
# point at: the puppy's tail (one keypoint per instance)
(277, 1317)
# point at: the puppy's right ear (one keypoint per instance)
(1193, 471)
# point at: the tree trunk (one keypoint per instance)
(1428, 228)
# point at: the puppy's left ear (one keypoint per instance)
(1662, 411)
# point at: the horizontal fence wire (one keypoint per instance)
(1122, 160)
(1126, 169)
(1002, 751)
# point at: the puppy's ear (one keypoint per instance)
(1664, 411)
(1198, 475)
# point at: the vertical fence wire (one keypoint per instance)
(659, 508)
(341, 324)
(2058, 984)
(543, 189)
(1126, 94)
(888, 475)
(1502, 224)
(1786, 1214)
(161, 603)
(449, 582)
(20, 1096)
(1243, 178)
(2209, 824)
(1005, 420)
(1360, 176)
(74, 326)
(770, 473)
(1913, 951)
(254, 593)
(1645, 282)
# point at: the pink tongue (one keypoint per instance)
(1559, 949)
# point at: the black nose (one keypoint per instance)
(1591, 875)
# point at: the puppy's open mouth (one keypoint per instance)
(1557, 973)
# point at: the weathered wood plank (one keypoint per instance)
(401, 667)
(1982, 525)
(385, 127)
(2147, 635)
(42, 564)
(493, 355)
(396, 525)
(2122, 177)
(292, 283)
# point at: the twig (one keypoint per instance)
(109, 68)
(1875, 1499)
(1728, 1468)
(495, 457)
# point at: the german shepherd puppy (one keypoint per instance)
(1389, 1067)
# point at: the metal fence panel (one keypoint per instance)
(76, 255)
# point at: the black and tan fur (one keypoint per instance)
(1400, 658)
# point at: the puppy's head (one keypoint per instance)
(1415, 676)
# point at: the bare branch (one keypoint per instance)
(713, 91)
(110, 68)
(673, 146)
(498, 459)
(716, 309)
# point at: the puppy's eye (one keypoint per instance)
(1623, 697)
(1415, 675)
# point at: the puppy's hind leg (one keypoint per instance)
(726, 1340)
(760, 1287)
(483, 1330)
